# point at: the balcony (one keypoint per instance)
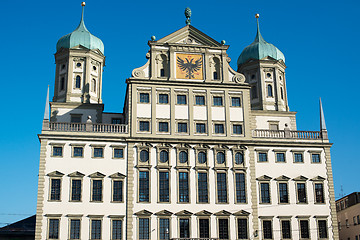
(287, 134)
(85, 127)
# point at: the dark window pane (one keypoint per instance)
(144, 186)
(95, 229)
(57, 151)
(204, 229)
(117, 191)
(239, 158)
(199, 100)
(164, 230)
(116, 121)
(144, 228)
(315, 158)
(183, 187)
(76, 190)
(202, 187)
(144, 98)
(240, 188)
(218, 101)
(222, 187)
(223, 229)
(286, 229)
(164, 156)
(78, 82)
(283, 193)
(280, 157)
(298, 157)
(55, 189)
(181, 99)
(163, 127)
(267, 228)
(304, 229)
(144, 156)
(202, 157)
(54, 229)
(265, 193)
(97, 190)
(237, 129)
(163, 98)
(184, 227)
(242, 228)
(262, 157)
(78, 151)
(144, 126)
(183, 157)
(162, 72)
(200, 128)
(98, 152)
(322, 229)
(118, 153)
(116, 229)
(270, 93)
(215, 75)
(75, 229)
(219, 128)
(220, 158)
(235, 102)
(301, 189)
(319, 193)
(163, 186)
(182, 127)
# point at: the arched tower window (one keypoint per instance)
(253, 92)
(93, 85)
(282, 93)
(77, 81)
(216, 69)
(269, 90)
(62, 83)
(163, 65)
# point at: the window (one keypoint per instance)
(219, 128)
(164, 156)
(215, 75)
(144, 98)
(62, 83)
(144, 156)
(181, 99)
(63, 67)
(253, 92)
(57, 151)
(76, 189)
(235, 102)
(304, 229)
(78, 151)
(265, 192)
(270, 91)
(183, 187)
(280, 157)
(78, 64)
(94, 68)
(182, 127)
(200, 100)
(184, 224)
(96, 191)
(322, 226)
(144, 126)
(95, 229)
(163, 186)
(239, 158)
(200, 128)
(98, 152)
(75, 119)
(93, 85)
(202, 157)
(315, 158)
(298, 158)
(204, 228)
(274, 126)
(262, 157)
(117, 191)
(162, 72)
(163, 127)
(240, 188)
(144, 187)
(183, 157)
(116, 233)
(53, 228)
(223, 228)
(285, 229)
(242, 227)
(282, 93)
(220, 158)
(267, 229)
(74, 228)
(319, 193)
(164, 229)
(217, 101)
(283, 193)
(202, 187)
(301, 192)
(144, 228)
(55, 189)
(77, 81)
(163, 98)
(118, 153)
(237, 129)
(222, 187)
(347, 223)
(116, 121)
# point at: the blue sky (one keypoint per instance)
(319, 40)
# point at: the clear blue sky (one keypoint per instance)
(319, 40)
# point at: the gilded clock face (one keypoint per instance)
(189, 66)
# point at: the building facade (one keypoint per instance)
(200, 150)
(348, 216)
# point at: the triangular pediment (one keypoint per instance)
(184, 213)
(143, 213)
(97, 175)
(76, 174)
(300, 178)
(189, 35)
(222, 213)
(318, 178)
(164, 213)
(242, 213)
(282, 178)
(55, 174)
(117, 175)
(264, 178)
(203, 213)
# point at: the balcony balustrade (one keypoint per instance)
(265, 133)
(86, 127)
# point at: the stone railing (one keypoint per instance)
(195, 238)
(265, 133)
(85, 127)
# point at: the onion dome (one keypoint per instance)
(80, 36)
(260, 49)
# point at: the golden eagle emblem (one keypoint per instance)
(190, 66)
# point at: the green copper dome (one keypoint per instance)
(260, 49)
(80, 36)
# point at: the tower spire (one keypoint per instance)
(322, 118)
(258, 37)
(46, 112)
(81, 26)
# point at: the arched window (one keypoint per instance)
(78, 81)
(183, 157)
(202, 157)
(93, 85)
(220, 158)
(164, 156)
(239, 158)
(282, 93)
(163, 65)
(62, 83)
(144, 156)
(270, 92)
(253, 92)
(216, 69)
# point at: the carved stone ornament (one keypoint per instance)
(138, 74)
(268, 69)
(238, 78)
(228, 59)
(78, 59)
(147, 55)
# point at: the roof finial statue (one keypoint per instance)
(188, 15)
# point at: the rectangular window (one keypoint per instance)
(116, 232)
(163, 127)
(204, 228)
(237, 129)
(74, 228)
(55, 189)
(202, 187)
(319, 193)
(262, 157)
(53, 228)
(298, 157)
(183, 187)
(78, 151)
(242, 228)
(219, 128)
(200, 100)
(144, 228)
(235, 102)
(217, 101)
(322, 229)
(95, 229)
(76, 189)
(240, 188)
(163, 186)
(200, 128)
(280, 157)
(182, 127)
(304, 229)
(215, 75)
(144, 126)
(181, 99)
(265, 192)
(118, 153)
(75, 119)
(315, 158)
(222, 187)
(301, 191)
(184, 224)
(57, 151)
(285, 229)
(96, 190)
(117, 191)
(283, 193)
(144, 186)
(98, 152)
(223, 228)
(164, 229)
(163, 98)
(116, 121)
(144, 98)
(267, 228)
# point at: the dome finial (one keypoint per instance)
(188, 15)
(258, 37)
(82, 23)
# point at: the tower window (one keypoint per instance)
(282, 93)
(270, 92)
(253, 76)
(62, 83)
(93, 85)
(78, 64)
(78, 81)
(94, 68)
(268, 75)
(63, 66)
(215, 75)
(183, 157)
(220, 158)
(253, 92)
(162, 72)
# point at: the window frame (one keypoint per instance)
(199, 95)
(50, 188)
(140, 121)
(53, 146)
(159, 227)
(260, 152)
(165, 122)
(218, 191)
(276, 156)
(323, 192)
(189, 225)
(209, 226)
(148, 188)
(112, 219)
(182, 132)
(232, 102)
(308, 228)
(260, 192)
(298, 153)
(228, 226)
(160, 100)
(91, 228)
(92, 189)
(71, 189)
(326, 228)
(217, 104)
(148, 232)
(198, 187)
(196, 123)
(181, 95)
(78, 146)
(287, 192)
(188, 187)
(314, 154)
(218, 124)
(98, 147)
(58, 227)
(142, 93)
(271, 228)
(70, 227)
(113, 190)
(236, 188)
(237, 124)
(168, 186)
(297, 192)
(281, 228)
(118, 148)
